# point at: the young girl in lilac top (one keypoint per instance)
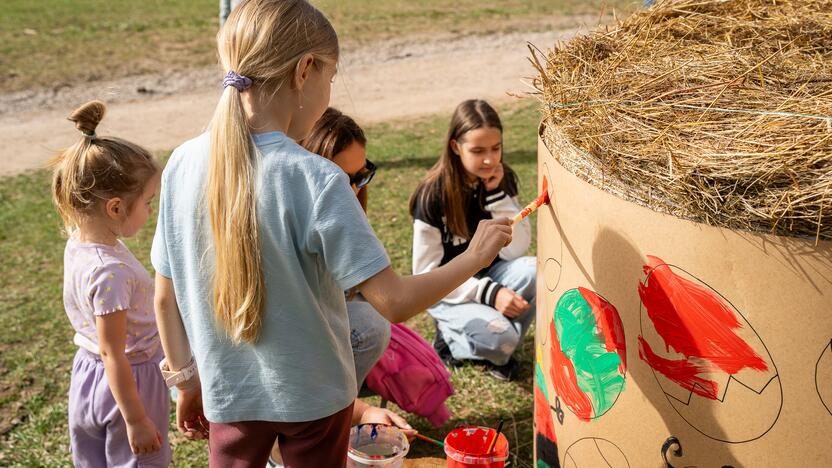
(118, 400)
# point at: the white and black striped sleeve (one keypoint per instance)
(500, 205)
(427, 255)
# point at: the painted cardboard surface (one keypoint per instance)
(726, 337)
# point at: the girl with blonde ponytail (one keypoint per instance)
(118, 403)
(256, 241)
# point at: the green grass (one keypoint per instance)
(60, 42)
(36, 339)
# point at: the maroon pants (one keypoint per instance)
(313, 443)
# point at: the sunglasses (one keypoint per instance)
(364, 176)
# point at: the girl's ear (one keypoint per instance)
(114, 208)
(302, 71)
(455, 147)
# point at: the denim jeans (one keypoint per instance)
(480, 332)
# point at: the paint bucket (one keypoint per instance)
(376, 446)
(467, 447)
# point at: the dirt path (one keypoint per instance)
(382, 83)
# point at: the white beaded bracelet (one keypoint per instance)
(177, 377)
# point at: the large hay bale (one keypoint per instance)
(718, 111)
(685, 261)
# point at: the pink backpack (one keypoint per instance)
(411, 375)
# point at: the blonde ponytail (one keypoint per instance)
(262, 40)
(239, 289)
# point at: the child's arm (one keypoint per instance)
(427, 255)
(171, 330)
(143, 435)
(363, 413)
(398, 298)
(190, 418)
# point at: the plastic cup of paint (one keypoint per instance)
(376, 446)
(468, 447)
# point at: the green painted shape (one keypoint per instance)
(596, 369)
(540, 380)
(542, 464)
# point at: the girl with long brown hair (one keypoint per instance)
(486, 317)
(256, 242)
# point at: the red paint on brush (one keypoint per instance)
(695, 322)
(542, 199)
(543, 416)
(565, 380)
(609, 323)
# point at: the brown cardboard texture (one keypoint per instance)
(651, 327)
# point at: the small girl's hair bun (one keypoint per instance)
(88, 116)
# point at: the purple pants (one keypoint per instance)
(97, 432)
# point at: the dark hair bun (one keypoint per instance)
(88, 116)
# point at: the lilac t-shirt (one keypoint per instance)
(101, 279)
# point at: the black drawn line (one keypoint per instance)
(768, 353)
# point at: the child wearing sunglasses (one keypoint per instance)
(338, 138)
(486, 317)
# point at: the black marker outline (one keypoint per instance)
(643, 312)
(730, 379)
(559, 251)
(595, 441)
(817, 366)
(560, 271)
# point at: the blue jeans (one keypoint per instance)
(481, 332)
(369, 336)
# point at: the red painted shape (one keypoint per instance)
(609, 322)
(695, 322)
(681, 371)
(543, 416)
(565, 380)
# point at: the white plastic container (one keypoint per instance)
(376, 446)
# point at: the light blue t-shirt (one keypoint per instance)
(316, 243)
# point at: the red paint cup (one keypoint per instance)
(468, 447)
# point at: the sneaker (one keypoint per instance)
(506, 372)
(444, 351)
(274, 464)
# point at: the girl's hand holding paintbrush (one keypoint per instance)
(376, 415)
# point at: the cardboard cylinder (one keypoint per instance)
(651, 328)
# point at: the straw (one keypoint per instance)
(717, 111)
(496, 436)
(428, 439)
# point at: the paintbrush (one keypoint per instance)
(500, 425)
(428, 439)
(542, 199)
